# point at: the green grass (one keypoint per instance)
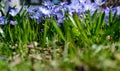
(86, 43)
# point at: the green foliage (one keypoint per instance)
(86, 42)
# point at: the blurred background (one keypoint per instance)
(39, 2)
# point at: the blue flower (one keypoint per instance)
(33, 13)
(118, 10)
(9, 0)
(13, 22)
(2, 20)
(100, 2)
(75, 7)
(13, 11)
(82, 1)
(48, 3)
(44, 11)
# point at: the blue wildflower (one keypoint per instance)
(100, 2)
(33, 13)
(48, 3)
(13, 11)
(9, 0)
(118, 10)
(13, 22)
(2, 20)
(75, 7)
(44, 11)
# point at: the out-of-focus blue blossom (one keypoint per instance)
(48, 3)
(74, 1)
(44, 11)
(82, 1)
(60, 16)
(100, 2)
(13, 11)
(49, 8)
(13, 22)
(33, 13)
(87, 7)
(2, 20)
(9, 0)
(118, 10)
(63, 3)
(78, 8)
(107, 11)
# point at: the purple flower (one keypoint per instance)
(48, 3)
(100, 2)
(44, 11)
(2, 20)
(13, 22)
(118, 10)
(107, 11)
(33, 13)
(13, 11)
(84, 1)
(9, 0)
(60, 17)
(75, 7)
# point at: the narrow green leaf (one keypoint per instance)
(45, 31)
(100, 22)
(110, 17)
(57, 29)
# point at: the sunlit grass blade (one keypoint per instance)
(82, 30)
(100, 22)
(54, 23)
(45, 31)
(110, 17)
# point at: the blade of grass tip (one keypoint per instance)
(30, 31)
(26, 29)
(54, 23)
(90, 20)
(66, 49)
(100, 22)
(72, 20)
(10, 34)
(94, 15)
(89, 23)
(83, 31)
(68, 31)
(45, 31)
(2, 12)
(2, 32)
(110, 17)
(22, 7)
(94, 20)
(115, 14)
